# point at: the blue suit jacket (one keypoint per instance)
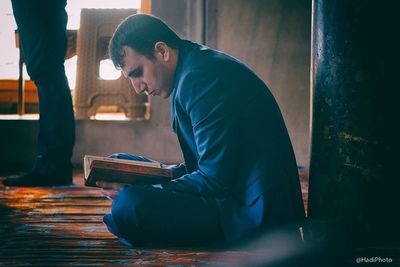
(234, 141)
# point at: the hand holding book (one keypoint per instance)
(110, 189)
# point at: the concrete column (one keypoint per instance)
(352, 173)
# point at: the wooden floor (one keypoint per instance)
(62, 226)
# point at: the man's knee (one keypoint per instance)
(127, 206)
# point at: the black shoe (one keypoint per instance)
(35, 179)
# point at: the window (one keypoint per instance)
(8, 52)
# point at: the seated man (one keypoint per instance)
(239, 172)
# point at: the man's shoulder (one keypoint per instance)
(201, 58)
(194, 81)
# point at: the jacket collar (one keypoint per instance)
(184, 49)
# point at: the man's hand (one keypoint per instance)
(109, 189)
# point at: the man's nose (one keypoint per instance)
(139, 87)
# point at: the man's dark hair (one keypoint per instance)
(140, 32)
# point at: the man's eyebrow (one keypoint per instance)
(136, 72)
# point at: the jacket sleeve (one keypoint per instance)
(178, 170)
(212, 110)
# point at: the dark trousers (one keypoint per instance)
(153, 215)
(42, 29)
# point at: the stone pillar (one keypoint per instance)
(353, 140)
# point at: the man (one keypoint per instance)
(239, 172)
(43, 40)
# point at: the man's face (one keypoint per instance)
(148, 76)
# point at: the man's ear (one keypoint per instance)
(162, 50)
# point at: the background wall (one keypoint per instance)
(273, 38)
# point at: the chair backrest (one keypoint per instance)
(92, 91)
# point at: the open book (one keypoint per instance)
(123, 171)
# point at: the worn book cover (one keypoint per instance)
(123, 171)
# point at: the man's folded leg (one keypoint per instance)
(146, 215)
(112, 228)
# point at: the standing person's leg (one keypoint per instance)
(42, 30)
(147, 215)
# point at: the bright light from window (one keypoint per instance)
(107, 70)
(70, 71)
(9, 54)
(74, 8)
